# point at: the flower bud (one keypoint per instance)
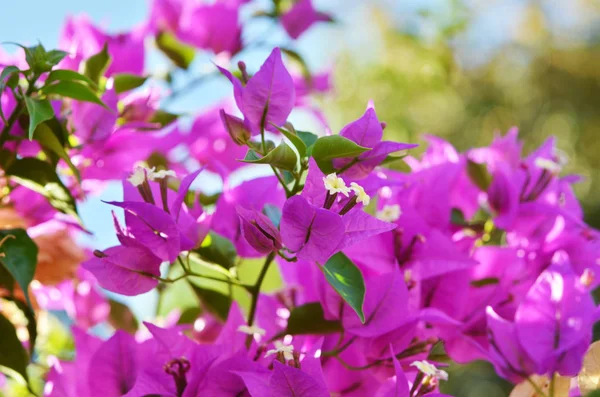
(236, 128)
(259, 231)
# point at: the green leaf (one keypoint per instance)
(39, 176)
(308, 138)
(39, 111)
(18, 254)
(12, 353)
(121, 317)
(485, 282)
(68, 75)
(310, 319)
(295, 139)
(479, 175)
(273, 213)
(251, 156)
(31, 322)
(124, 82)
(73, 89)
(7, 281)
(95, 66)
(332, 147)
(343, 275)
(163, 118)
(217, 249)
(5, 78)
(283, 156)
(48, 139)
(213, 301)
(181, 54)
(53, 57)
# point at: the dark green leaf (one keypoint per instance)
(39, 111)
(73, 89)
(39, 176)
(457, 217)
(295, 139)
(189, 315)
(217, 249)
(31, 322)
(121, 317)
(310, 319)
(343, 275)
(213, 302)
(182, 55)
(18, 254)
(7, 281)
(273, 213)
(12, 353)
(287, 176)
(95, 66)
(6, 75)
(48, 139)
(53, 57)
(282, 157)
(124, 82)
(163, 118)
(68, 75)
(485, 282)
(251, 155)
(331, 147)
(479, 175)
(595, 393)
(308, 138)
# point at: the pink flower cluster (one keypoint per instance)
(481, 255)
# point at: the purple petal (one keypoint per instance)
(359, 225)
(385, 307)
(257, 383)
(366, 131)
(258, 230)
(313, 233)
(269, 93)
(113, 368)
(238, 88)
(301, 17)
(153, 228)
(184, 187)
(287, 381)
(120, 270)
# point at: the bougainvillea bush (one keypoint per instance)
(388, 276)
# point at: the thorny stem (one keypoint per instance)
(255, 291)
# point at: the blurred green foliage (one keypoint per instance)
(537, 79)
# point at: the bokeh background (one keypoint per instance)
(461, 69)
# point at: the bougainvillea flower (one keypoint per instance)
(251, 195)
(92, 122)
(553, 323)
(312, 233)
(386, 298)
(81, 39)
(269, 95)
(367, 131)
(300, 17)
(259, 231)
(125, 270)
(211, 26)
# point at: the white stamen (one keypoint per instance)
(361, 196)
(389, 213)
(335, 184)
(548, 165)
(287, 350)
(430, 370)
(140, 174)
(251, 330)
(161, 174)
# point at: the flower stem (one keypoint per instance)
(255, 292)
